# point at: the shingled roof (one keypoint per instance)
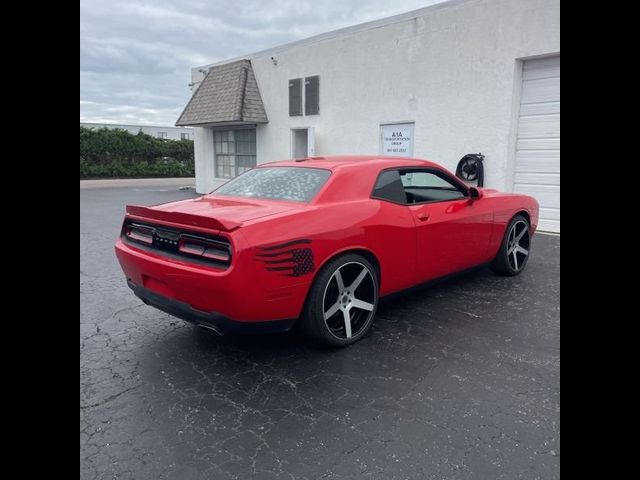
(228, 94)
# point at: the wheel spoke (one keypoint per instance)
(362, 304)
(332, 310)
(339, 281)
(347, 322)
(522, 250)
(515, 260)
(358, 280)
(521, 234)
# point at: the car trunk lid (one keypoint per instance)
(212, 212)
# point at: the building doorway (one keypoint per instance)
(302, 142)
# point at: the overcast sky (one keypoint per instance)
(136, 55)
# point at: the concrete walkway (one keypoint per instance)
(138, 182)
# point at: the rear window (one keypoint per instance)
(279, 183)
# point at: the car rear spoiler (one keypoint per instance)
(182, 218)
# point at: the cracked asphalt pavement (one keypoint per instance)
(457, 381)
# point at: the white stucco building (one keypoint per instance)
(459, 77)
(171, 133)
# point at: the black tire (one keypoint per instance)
(508, 262)
(334, 331)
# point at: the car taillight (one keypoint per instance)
(207, 249)
(139, 233)
(200, 247)
(216, 254)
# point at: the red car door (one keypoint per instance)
(452, 232)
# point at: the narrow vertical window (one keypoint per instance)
(295, 97)
(312, 95)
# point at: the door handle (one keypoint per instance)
(423, 217)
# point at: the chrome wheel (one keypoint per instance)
(349, 300)
(518, 242)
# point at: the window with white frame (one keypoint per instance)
(235, 151)
(184, 136)
(162, 134)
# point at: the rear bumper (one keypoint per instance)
(193, 290)
(210, 320)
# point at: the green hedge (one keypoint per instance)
(118, 153)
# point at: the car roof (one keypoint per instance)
(334, 162)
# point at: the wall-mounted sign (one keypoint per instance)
(396, 139)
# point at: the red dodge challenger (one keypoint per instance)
(318, 240)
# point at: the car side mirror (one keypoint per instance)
(475, 194)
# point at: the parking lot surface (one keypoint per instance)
(456, 381)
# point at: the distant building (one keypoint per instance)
(171, 133)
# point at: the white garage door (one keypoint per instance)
(537, 165)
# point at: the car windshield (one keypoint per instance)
(299, 184)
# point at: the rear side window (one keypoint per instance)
(279, 183)
(389, 187)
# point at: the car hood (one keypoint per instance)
(213, 212)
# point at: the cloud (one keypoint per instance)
(136, 56)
